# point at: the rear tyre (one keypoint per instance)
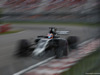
(23, 48)
(72, 42)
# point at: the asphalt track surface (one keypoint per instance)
(10, 64)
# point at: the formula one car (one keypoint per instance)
(51, 44)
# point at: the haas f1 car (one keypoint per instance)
(51, 44)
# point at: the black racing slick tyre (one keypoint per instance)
(72, 42)
(59, 53)
(23, 47)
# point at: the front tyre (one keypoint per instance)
(59, 53)
(23, 48)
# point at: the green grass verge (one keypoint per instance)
(56, 23)
(89, 64)
(10, 32)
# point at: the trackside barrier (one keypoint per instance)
(5, 28)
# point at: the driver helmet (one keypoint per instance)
(50, 35)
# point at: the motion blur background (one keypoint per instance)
(50, 10)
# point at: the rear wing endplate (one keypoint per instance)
(62, 32)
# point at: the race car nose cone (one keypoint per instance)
(35, 53)
(38, 55)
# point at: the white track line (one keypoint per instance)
(42, 62)
(21, 32)
(85, 42)
(33, 66)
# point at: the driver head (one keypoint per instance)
(50, 36)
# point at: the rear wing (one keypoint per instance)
(62, 32)
(54, 31)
